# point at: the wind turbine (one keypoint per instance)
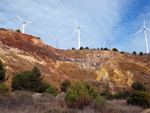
(78, 28)
(144, 29)
(23, 25)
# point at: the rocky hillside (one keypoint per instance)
(104, 69)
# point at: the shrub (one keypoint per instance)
(80, 94)
(2, 72)
(107, 94)
(29, 81)
(73, 48)
(4, 89)
(122, 95)
(18, 30)
(81, 48)
(52, 90)
(122, 52)
(86, 47)
(138, 86)
(65, 85)
(134, 52)
(139, 98)
(102, 48)
(114, 49)
(140, 53)
(105, 48)
(100, 103)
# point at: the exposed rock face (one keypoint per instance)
(105, 69)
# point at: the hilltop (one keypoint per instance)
(103, 68)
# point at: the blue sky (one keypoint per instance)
(54, 20)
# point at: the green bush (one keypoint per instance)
(18, 30)
(81, 48)
(139, 98)
(65, 84)
(140, 53)
(122, 52)
(2, 72)
(138, 86)
(105, 48)
(134, 52)
(122, 95)
(80, 94)
(107, 94)
(86, 47)
(115, 49)
(53, 91)
(3, 89)
(29, 81)
(73, 48)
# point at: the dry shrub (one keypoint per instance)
(100, 103)
(121, 106)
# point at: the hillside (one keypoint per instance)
(104, 69)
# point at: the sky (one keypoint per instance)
(54, 20)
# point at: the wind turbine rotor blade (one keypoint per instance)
(148, 29)
(74, 31)
(83, 26)
(20, 18)
(28, 22)
(144, 23)
(76, 23)
(139, 31)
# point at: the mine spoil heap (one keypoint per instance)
(103, 68)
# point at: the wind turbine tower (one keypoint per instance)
(145, 29)
(78, 28)
(23, 25)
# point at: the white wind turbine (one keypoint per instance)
(144, 29)
(23, 25)
(78, 28)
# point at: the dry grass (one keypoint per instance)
(24, 102)
(120, 106)
(27, 102)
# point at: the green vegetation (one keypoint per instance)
(18, 30)
(122, 52)
(141, 53)
(134, 52)
(100, 103)
(105, 48)
(115, 49)
(2, 72)
(122, 95)
(139, 98)
(3, 89)
(80, 94)
(107, 94)
(53, 91)
(65, 84)
(138, 86)
(73, 48)
(86, 47)
(29, 81)
(81, 48)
